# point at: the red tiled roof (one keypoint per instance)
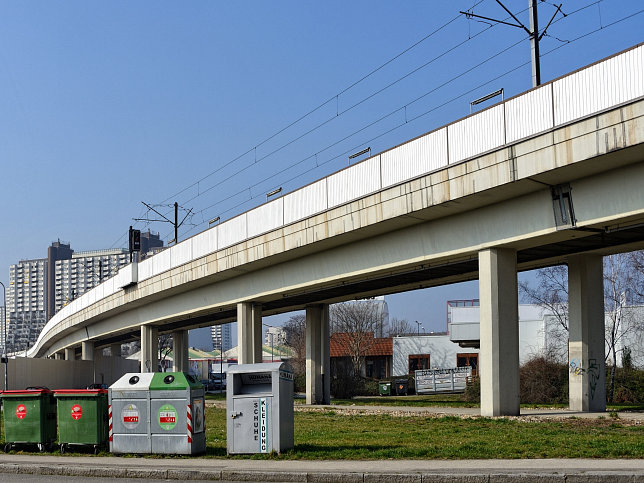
(339, 345)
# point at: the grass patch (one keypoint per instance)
(334, 435)
(331, 435)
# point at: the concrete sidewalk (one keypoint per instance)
(390, 471)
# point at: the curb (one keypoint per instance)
(321, 477)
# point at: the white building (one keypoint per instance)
(39, 288)
(432, 351)
(275, 336)
(540, 333)
(222, 337)
(26, 303)
(84, 271)
(442, 351)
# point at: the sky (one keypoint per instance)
(212, 104)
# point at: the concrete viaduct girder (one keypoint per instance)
(497, 211)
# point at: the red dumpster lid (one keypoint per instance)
(25, 392)
(82, 392)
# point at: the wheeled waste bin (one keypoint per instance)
(384, 388)
(29, 418)
(82, 418)
(259, 402)
(401, 386)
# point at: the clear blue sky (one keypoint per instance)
(107, 104)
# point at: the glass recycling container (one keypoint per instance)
(129, 414)
(82, 418)
(177, 418)
(160, 413)
(29, 417)
(259, 404)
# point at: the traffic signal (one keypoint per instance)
(135, 240)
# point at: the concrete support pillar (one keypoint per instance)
(318, 381)
(70, 354)
(499, 365)
(181, 361)
(149, 349)
(115, 350)
(587, 376)
(258, 355)
(59, 356)
(87, 350)
(245, 333)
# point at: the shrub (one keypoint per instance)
(629, 385)
(300, 382)
(543, 381)
(473, 391)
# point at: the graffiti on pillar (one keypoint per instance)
(575, 367)
(593, 376)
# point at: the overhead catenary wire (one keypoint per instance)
(411, 119)
(338, 112)
(370, 124)
(380, 119)
(323, 123)
(335, 97)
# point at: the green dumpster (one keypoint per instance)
(384, 388)
(82, 418)
(29, 418)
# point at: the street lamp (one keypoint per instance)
(4, 335)
(418, 324)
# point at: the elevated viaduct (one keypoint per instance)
(554, 175)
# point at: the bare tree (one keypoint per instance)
(165, 348)
(399, 327)
(637, 260)
(623, 285)
(295, 331)
(551, 292)
(620, 278)
(356, 323)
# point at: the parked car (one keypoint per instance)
(208, 384)
(219, 380)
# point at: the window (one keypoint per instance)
(469, 359)
(418, 362)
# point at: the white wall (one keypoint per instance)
(442, 351)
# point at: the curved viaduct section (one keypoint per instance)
(553, 175)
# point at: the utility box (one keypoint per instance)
(259, 402)
(177, 407)
(129, 414)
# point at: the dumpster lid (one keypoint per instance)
(169, 381)
(133, 381)
(25, 392)
(80, 392)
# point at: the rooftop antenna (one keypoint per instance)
(533, 32)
